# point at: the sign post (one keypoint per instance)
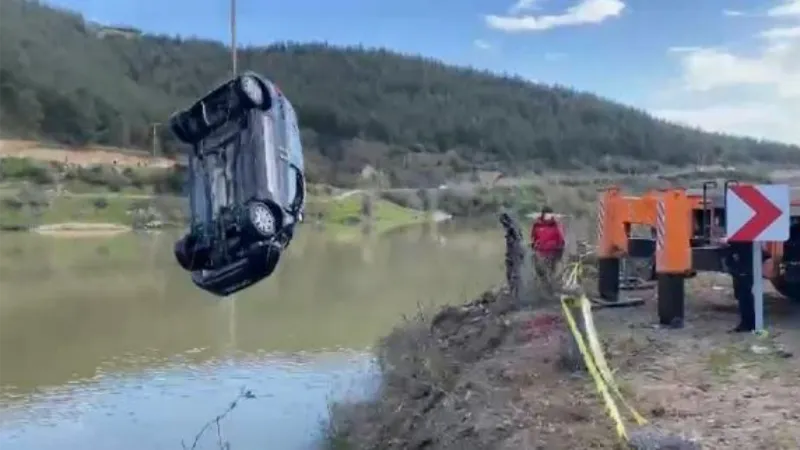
(757, 214)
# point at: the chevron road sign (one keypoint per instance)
(757, 213)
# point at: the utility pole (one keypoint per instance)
(234, 62)
(155, 126)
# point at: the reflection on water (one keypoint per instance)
(101, 339)
(159, 408)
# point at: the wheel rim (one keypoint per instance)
(252, 90)
(262, 219)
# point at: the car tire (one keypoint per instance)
(177, 125)
(263, 220)
(189, 256)
(790, 290)
(252, 92)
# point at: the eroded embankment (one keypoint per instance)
(485, 375)
(490, 374)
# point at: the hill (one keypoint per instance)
(417, 120)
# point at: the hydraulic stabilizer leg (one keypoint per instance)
(608, 279)
(671, 294)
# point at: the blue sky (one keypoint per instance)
(727, 65)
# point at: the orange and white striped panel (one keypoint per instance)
(660, 229)
(601, 215)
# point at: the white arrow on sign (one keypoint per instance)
(757, 213)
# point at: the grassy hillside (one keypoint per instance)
(34, 193)
(417, 120)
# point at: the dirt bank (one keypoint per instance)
(87, 156)
(491, 376)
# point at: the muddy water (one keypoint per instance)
(105, 343)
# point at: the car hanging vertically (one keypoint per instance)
(246, 183)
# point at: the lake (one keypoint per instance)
(105, 343)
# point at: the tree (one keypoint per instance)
(68, 80)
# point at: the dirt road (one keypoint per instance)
(483, 376)
(724, 390)
(83, 156)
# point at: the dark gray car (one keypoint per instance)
(246, 183)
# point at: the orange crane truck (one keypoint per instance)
(686, 236)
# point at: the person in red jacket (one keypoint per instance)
(547, 242)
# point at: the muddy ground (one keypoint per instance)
(489, 375)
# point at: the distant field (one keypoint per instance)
(81, 156)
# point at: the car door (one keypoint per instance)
(295, 161)
(280, 138)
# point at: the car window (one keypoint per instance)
(270, 159)
(295, 149)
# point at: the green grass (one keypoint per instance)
(104, 194)
(343, 218)
(77, 209)
(725, 361)
(69, 209)
(99, 208)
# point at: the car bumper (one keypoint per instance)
(241, 274)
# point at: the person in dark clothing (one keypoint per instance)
(514, 253)
(739, 261)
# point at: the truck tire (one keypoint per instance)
(788, 290)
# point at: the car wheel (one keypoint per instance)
(262, 219)
(787, 289)
(252, 91)
(178, 127)
(189, 256)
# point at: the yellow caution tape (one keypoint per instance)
(592, 353)
(600, 385)
(600, 359)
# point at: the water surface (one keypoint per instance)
(105, 343)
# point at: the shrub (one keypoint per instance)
(33, 196)
(100, 203)
(98, 175)
(26, 169)
(13, 203)
(366, 206)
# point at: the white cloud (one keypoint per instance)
(732, 13)
(770, 74)
(524, 5)
(481, 44)
(787, 8)
(759, 120)
(778, 33)
(583, 13)
(683, 49)
(706, 69)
